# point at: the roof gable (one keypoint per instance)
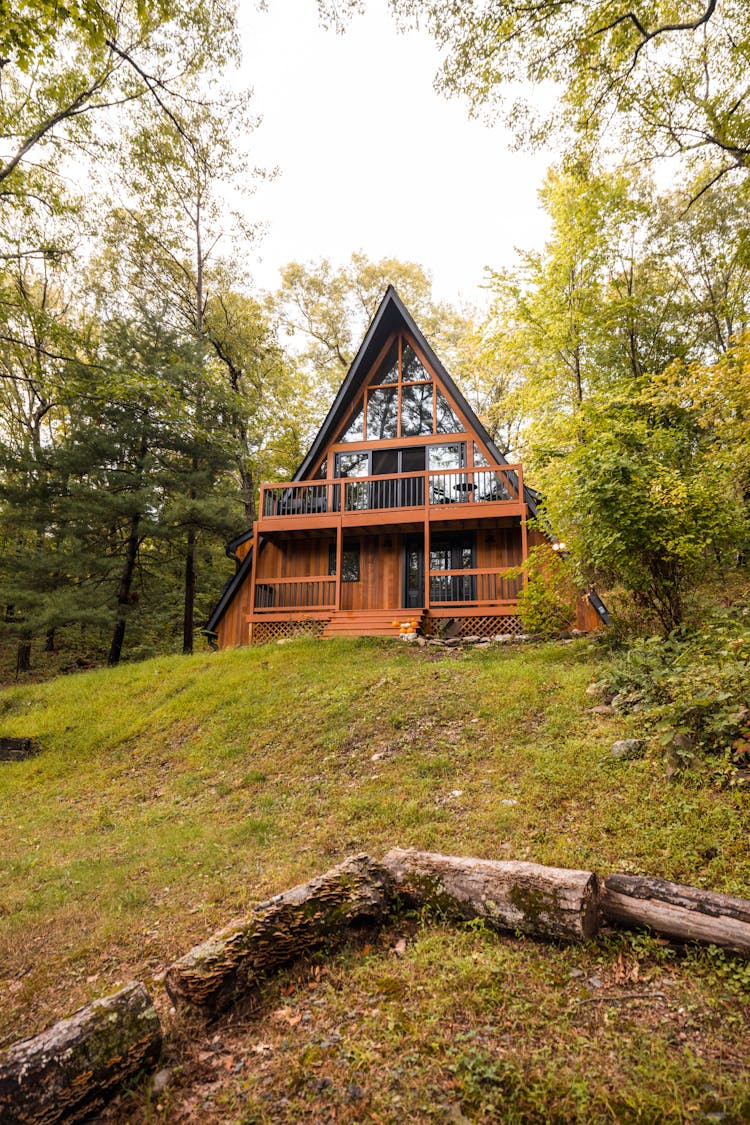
(392, 317)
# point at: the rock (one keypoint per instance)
(627, 701)
(160, 1081)
(598, 689)
(421, 642)
(452, 642)
(471, 640)
(628, 748)
(503, 638)
(602, 709)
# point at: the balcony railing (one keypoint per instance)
(406, 490)
(316, 592)
(491, 586)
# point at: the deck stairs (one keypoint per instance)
(370, 622)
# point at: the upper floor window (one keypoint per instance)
(401, 401)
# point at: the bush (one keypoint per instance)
(547, 602)
(694, 687)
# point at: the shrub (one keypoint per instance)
(547, 602)
(695, 687)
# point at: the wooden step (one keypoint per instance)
(369, 623)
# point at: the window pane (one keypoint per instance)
(382, 415)
(349, 562)
(479, 458)
(412, 368)
(416, 410)
(388, 370)
(448, 456)
(353, 431)
(446, 421)
(352, 464)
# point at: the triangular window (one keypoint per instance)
(400, 401)
(446, 421)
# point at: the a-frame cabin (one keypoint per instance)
(403, 509)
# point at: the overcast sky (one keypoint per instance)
(372, 158)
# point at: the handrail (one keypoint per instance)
(426, 488)
(301, 578)
(479, 570)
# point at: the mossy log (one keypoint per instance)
(238, 957)
(546, 902)
(683, 913)
(71, 1069)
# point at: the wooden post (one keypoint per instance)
(253, 573)
(427, 559)
(339, 562)
(524, 529)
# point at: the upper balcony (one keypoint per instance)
(402, 498)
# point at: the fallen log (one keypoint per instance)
(547, 902)
(71, 1069)
(239, 956)
(684, 913)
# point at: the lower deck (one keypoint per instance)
(455, 578)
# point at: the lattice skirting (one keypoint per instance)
(473, 626)
(264, 631)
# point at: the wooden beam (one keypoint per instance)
(339, 562)
(253, 573)
(426, 562)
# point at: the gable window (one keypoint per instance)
(401, 400)
(349, 561)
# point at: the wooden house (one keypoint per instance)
(403, 509)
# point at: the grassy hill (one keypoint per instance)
(173, 794)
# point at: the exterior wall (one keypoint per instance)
(379, 585)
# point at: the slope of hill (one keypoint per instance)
(170, 795)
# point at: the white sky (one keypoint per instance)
(373, 159)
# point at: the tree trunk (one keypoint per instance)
(23, 654)
(123, 590)
(546, 902)
(68, 1071)
(128, 570)
(49, 641)
(189, 613)
(237, 958)
(684, 913)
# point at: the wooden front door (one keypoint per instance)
(413, 567)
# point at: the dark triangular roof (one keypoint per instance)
(392, 316)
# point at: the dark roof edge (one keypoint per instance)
(229, 590)
(344, 389)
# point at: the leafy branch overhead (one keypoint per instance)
(660, 78)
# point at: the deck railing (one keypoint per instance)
(405, 490)
(492, 586)
(316, 592)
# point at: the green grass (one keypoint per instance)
(172, 794)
